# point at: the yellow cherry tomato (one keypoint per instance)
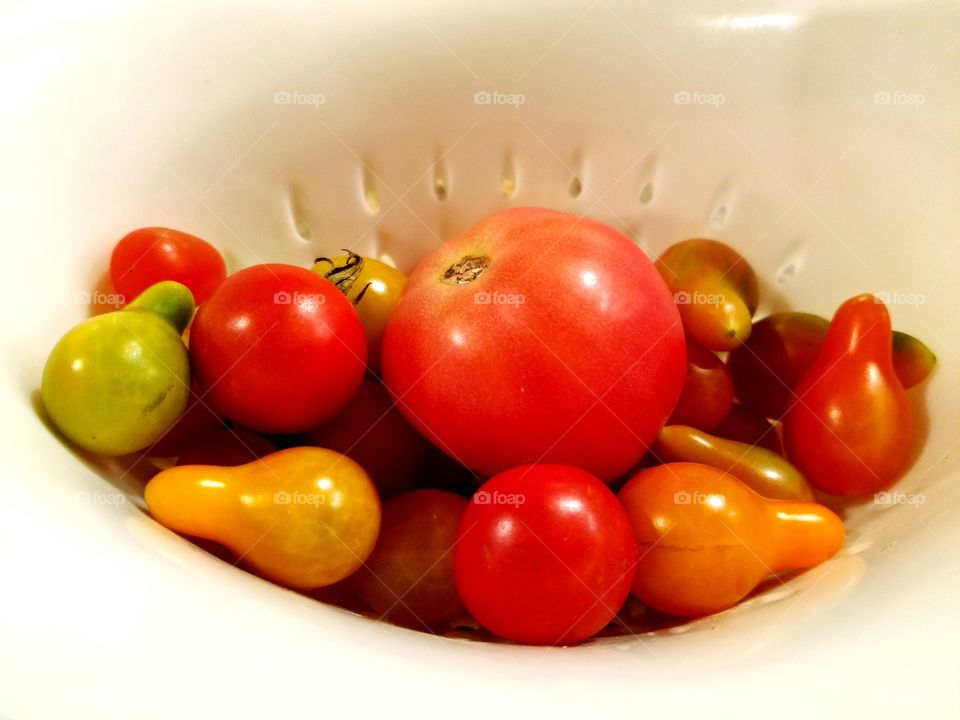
(372, 286)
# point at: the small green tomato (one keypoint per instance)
(114, 384)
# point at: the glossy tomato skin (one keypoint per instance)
(545, 555)
(372, 286)
(408, 579)
(851, 430)
(277, 349)
(150, 255)
(302, 517)
(566, 347)
(715, 288)
(707, 393)
(116, 383)
(773, 359)
(706, 539)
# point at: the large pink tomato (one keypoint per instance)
(537, 337)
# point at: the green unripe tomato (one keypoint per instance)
(114, 384)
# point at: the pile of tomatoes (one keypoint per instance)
(536, 424)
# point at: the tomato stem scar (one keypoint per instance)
(466, 269)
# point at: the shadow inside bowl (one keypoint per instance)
(127, 473)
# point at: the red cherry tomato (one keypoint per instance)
(851, 430)
(536, 336)
(545, 555)
(226, 448)
(149, 255)
(778, 352)
(371, 431)
(707, 391)
(278, 349)
(408, 579)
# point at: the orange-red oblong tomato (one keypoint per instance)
(850, 430)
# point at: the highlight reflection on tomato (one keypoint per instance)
(537, 336)
(851, 429)
(154, 254)
(545, 555)
(277, 349)
(706, 539)
(303, 517)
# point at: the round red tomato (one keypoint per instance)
(277, 349)
(537, 336)
(545, 555)
(707, 393)
(150, 255)
(408, 579)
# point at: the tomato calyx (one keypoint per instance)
(466, 269)
(344, 276)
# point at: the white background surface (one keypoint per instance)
(119, 115)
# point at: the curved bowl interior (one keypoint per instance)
(820, 139)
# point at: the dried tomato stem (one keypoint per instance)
(344, 276)
(466, 269)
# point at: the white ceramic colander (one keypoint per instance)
(819, 138)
